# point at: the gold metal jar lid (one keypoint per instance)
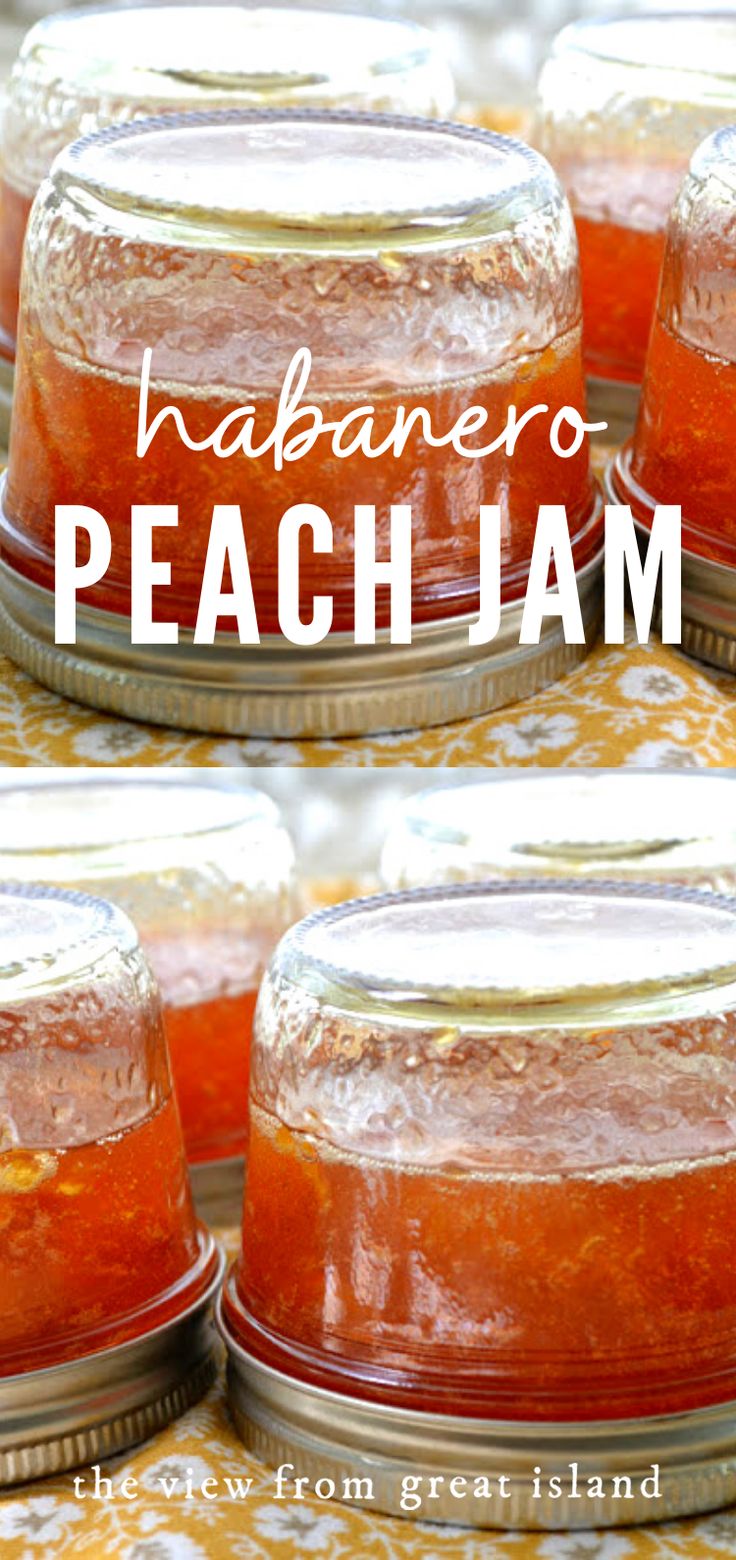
(325, 1435)
(64, 1416)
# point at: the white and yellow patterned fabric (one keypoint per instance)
(645, 705)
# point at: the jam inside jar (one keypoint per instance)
(428, 269)
(78, 72)
(681, 449)
(492, 1154)
(206, 873)
(98, 1241)
(645, 826)
(622, 104)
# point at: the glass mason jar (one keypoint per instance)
(207, 876)
(81, 70)
(681, 449)
(97, 1235)
(423, 266)
(491, 1174)
(623, 102)
(649, 826)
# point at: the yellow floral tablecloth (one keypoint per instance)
(644, 705)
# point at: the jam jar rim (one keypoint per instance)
(36, 39)
(404, 1004)
(257, 808)
(715, 158)
(571, 39)
(411, 819)
(111, 932)
(534, 189)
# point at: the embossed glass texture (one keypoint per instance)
(207, 876)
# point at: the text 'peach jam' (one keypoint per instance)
(78, 73)
(492, 1158)
(623, 102)
(206, 874)
(98, 1242)
(423, 266)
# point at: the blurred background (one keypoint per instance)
(337, 818)
(495, 47)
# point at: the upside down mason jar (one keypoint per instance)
(386, 277)
(623, 103)
(680, 452)
(81, 70)
(207, 876)
(105, 1277)
(645, 826)
(488, 1228)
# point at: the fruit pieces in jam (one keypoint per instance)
(96, 1241)
(574, 1268)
